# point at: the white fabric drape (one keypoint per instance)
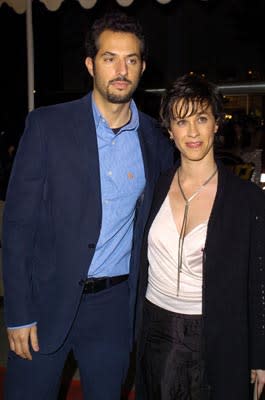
(124, 3)
(20, 5)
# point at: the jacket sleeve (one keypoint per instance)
(257, 283)
(19, 224)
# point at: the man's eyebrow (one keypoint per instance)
(110, 53)
(134, 55)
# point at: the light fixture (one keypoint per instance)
(262, 178)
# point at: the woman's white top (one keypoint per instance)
(163, 261)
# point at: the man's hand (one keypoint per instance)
(21, 338)
(259, 376)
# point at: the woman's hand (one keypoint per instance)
(259, 376)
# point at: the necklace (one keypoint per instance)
(185, 218)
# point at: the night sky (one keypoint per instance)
(224, 39)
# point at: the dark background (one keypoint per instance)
(223, 39)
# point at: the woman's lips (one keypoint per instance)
(193, 145)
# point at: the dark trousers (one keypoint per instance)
(171, 362)
(99, 339)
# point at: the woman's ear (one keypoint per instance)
(216, 127)
(171, 137)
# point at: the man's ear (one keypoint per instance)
(90, 66)
(143, 66)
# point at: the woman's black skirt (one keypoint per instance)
(171, 363)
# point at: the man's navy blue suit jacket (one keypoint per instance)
(52, 215)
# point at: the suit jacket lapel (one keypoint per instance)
(145, 144)
(160, 194)
(147, 147)
(86, 138)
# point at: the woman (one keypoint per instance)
(202, 281)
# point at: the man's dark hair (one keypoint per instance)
(192, 92)
(115, 22)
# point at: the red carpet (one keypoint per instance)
(2, 374)
(74, 392)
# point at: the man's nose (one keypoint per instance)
(122, 67)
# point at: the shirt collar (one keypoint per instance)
(133, 124)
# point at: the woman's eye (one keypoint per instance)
(202, 119)
(180, 122)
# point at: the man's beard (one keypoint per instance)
(119, 99)
(123, 97)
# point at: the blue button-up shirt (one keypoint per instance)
(122, 180)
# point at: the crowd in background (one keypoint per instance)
(242, 141)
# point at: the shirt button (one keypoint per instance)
(91, 245)
(113, 142)
(109, 173)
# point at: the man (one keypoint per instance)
(77, 203)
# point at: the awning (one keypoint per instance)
(20, 6)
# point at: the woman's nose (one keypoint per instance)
(193, 130)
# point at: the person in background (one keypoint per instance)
(77, 202)
(253, 154)
(201, 309)
(7, 154)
